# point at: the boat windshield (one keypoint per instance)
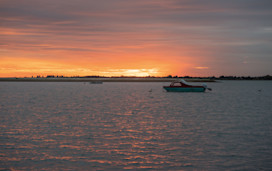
(179, 83)
(183, 81)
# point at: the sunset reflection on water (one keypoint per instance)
(115, 126)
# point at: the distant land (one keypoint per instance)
(169, 78)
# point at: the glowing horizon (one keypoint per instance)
(135, 38)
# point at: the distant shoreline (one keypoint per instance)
(128, 79)
(102, 79)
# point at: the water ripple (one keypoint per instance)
(123, 126)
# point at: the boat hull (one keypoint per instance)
(185, 89)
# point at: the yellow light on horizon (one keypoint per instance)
(131, 72)
(140, 72)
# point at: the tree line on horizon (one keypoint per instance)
(266, 77)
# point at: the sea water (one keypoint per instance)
(135, 126)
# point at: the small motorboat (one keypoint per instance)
(183, 86)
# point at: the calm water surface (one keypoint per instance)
(123, 126)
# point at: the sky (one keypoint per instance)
(135, 38)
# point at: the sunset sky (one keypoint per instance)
(135, 37)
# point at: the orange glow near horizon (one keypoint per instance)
(62, 58)
(82, 66)
(28, 67)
